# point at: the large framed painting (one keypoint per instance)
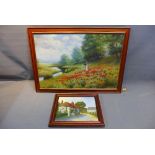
(72, 59)
(76, 110)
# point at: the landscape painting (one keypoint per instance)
(78, 59)
(76, 109)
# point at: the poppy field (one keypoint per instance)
(97, 76)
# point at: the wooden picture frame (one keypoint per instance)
(61, 116)
(78, 80)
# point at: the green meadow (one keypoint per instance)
(98, 75)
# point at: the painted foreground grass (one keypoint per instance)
(46, 70)
(80, 117)
(98, 75)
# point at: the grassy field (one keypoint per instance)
(98, 75)
(45, 70)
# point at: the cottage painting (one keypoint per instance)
(75, 61)
(76, 109)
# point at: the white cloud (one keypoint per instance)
(50, 47)
(45, 55)
(47, 42)
(77, 38)
(65, 38)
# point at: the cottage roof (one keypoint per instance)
(76, 106)
(72, 105)
(67, 104)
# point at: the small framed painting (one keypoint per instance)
(76, 110)
(78, 59)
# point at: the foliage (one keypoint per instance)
(116, 45)
(84, 110)
(59, 114)
(69, 68)
(80, 104)
(93, 113)
(65, 60)
(45, 70)
(98, 76)
(77, 56)
(91, 47)
(98, 46)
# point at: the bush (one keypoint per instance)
(93, 113)
(59, 114)
(45, 70)
(67, 69)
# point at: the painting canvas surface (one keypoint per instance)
(78, 60)
(76, 109)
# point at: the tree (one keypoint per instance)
(77, 55)
(95, 46)
(80, 104)
(116, 45)
(65, 60)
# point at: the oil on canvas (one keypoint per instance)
(69, 61)
(76, 109)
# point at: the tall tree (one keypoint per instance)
(80, 104)
(96, 46)
(93, 47)
(89, 46)
(77, 55)
(65, 60)
(116, 45)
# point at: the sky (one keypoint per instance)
(50, 47)
(90, 101)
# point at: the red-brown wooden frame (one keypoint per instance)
(79, 30)
(99, 123)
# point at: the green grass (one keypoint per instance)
(99, 75)
(45, 70)
(61, 115)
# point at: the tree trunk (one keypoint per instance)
(86, 66)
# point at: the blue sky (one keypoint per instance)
(90, 101)
(50, 47)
